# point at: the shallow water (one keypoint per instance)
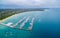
(46, 25)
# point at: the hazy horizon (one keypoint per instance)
(11, 4)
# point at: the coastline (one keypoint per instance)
(6, 18)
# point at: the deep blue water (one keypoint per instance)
(46, 25)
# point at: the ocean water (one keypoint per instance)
(46, 25)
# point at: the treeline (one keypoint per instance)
(7, 13)
(4, 13)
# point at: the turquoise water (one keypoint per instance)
(46, 25)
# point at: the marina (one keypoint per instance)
(22, 24)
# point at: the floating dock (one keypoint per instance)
(10, 24)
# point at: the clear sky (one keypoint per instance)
(29, 3)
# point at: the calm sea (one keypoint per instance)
(46, 25)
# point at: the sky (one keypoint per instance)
(29, 3)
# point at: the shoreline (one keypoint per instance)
(6, 18)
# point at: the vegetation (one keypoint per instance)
(4, 13)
